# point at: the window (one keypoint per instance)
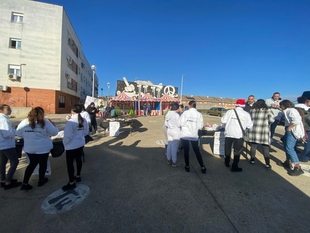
(17, 17)
(62, 101)
(14, 69)
(15, 43)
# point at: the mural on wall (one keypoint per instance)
(140, 88)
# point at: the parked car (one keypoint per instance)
(217, 111)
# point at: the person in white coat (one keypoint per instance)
(274, 104)
(173, 134)
(36, 132)
(7, 149)
(294, 130)
(191, 121)
(234, 134)
(74, 140)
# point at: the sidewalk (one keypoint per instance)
(132, 189)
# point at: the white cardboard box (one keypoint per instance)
(114, 128)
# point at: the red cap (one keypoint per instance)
(240, 103)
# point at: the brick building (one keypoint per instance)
(42, 61)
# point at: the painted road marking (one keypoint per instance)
(61, 201)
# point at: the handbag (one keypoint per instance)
(244, 132)
(58, 149)
(88, 139)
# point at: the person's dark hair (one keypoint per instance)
(287, 104)
(82, 107)
(276, 93)
(2, 106)
(78, 109)
(260, 104)
(301, 100)
(192, 103)
(36, 115)
(92, 103)
(174, 106)
(181, 106)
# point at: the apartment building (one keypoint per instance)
(41, 58)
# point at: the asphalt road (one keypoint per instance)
(132, 189)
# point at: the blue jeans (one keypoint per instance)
(273, 127)
(305, 155)
(5, 155)
(289, 146)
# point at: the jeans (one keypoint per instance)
(273, 127)
(289, 146)
(305, 155)
(5, 155)
(173, 144)
(71, 155)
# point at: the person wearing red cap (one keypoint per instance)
(234, 133)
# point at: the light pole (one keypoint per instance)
(108, 84)
(101, 91)
(93, 67)
(222, 106)
(181, 88)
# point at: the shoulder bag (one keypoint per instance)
(244, 132)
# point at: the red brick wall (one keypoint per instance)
(32, 97)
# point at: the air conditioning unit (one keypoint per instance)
(3, 88)
(14, 77)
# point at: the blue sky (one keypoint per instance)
(224, 48)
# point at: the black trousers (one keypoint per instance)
(71, 155)
(93, 124)
(237, 145)
(196, 150)
(36, 159)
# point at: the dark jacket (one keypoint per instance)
(92, 113)
(247, 107)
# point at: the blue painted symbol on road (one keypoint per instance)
(61, 201)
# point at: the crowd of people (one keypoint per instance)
(36, 132)
(252, 122)
(255, 120)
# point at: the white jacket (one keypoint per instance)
(275, 111)
(191, 121)
(74, 137)
(172, 120)
(7, 133)
(231, 123)
(37, 140)
(292, 117)
(86, 116)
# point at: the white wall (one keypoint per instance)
(44, 34)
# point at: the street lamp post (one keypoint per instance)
(101, 91)
(222, 106)
(93, 67)
(108, 84)
(181, 88)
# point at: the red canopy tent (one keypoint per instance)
(123, 98)
(148, 98)
(165, 101)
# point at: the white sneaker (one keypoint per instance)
(176, 165)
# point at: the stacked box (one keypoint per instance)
(219, 143)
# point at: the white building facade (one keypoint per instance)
(42, 62)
